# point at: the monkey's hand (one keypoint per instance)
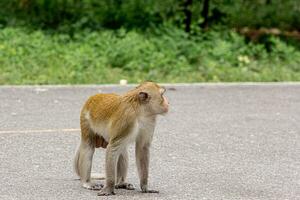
(92, 186)
(100, 142)
(106, 192)
(126, 186)
(150, 191)
(146, 190)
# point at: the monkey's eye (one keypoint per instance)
(162, 94)
(163, 90)
(162, 98)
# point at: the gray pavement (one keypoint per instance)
(218, 142)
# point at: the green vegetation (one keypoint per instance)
(64, 43)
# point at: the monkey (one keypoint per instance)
(113, 122)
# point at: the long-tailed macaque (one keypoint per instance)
(114, 121)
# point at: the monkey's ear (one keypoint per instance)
(144, 97)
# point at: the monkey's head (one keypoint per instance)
(152, 99)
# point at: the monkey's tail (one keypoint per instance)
(76, 161)
(97, 176)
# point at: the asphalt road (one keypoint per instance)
(217, 142)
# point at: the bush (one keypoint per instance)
(166, 54)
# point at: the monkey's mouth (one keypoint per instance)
(165, 111)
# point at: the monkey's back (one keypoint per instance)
(100, 107)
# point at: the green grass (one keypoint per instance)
(165, 55)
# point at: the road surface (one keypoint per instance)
(219, 141)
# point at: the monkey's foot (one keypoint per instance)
(126, 186)
(145, 189)
(150, 191)
(92, 186)
(106, 192)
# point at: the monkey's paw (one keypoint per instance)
(106, 192)
(126, 186)
(150, 191)
(93, 186)
(145, 189)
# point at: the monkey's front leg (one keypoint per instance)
(112, 154)
(142, 160)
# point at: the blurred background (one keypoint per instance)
(103, 41)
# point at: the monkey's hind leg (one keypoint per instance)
(122, 169)
(83, 164)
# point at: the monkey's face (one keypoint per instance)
(153, 99)
(163, 101)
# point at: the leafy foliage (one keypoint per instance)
(92, 41)
(167, 54)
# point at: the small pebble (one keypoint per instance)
(123, 82)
